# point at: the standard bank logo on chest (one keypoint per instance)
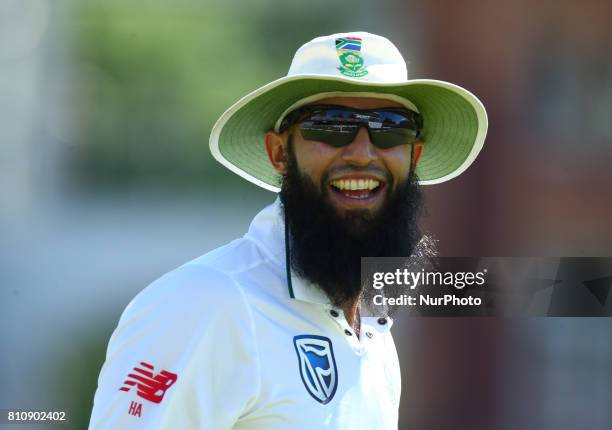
(317, 366)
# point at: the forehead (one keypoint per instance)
(359, 102)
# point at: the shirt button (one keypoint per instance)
(348, 333)
(382, 321)
(334, 313)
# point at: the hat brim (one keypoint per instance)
(454, 124)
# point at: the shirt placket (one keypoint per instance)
(370, 328)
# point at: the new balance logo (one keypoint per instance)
(150, 387)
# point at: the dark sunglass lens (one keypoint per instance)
(331, 133)
(389, 137)
(396, 119)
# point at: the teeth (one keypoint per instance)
(355, 184)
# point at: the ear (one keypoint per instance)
(276, 147)
(417, 149)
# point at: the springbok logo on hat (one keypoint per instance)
(351, 61)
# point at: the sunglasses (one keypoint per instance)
(338, 125)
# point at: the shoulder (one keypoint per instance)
(196, 302)
(207, 283)
(179, 311)
(186, 293)
(187, 288)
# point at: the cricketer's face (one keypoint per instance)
(375, 172)
(330, 225)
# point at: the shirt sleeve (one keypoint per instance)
(183, 356)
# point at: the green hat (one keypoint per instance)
(359, 65)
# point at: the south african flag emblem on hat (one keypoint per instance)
(351, 60)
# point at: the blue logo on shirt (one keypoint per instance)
(317, 366)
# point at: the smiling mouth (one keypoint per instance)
(357, 189)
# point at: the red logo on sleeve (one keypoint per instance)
(150, 386)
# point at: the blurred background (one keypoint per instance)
(106, 183)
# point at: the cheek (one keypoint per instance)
(314, 158)
(397, 161)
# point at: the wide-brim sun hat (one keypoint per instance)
(356, 64)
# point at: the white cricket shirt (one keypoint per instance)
(226, 342)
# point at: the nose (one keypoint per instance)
(360, 152)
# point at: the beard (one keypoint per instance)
(325, 247)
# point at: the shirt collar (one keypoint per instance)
(267, 230)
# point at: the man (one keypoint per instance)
(267, 332)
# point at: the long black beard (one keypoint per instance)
(326, 247)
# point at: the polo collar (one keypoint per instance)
(268, 231)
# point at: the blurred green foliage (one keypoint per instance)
(151, 78)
